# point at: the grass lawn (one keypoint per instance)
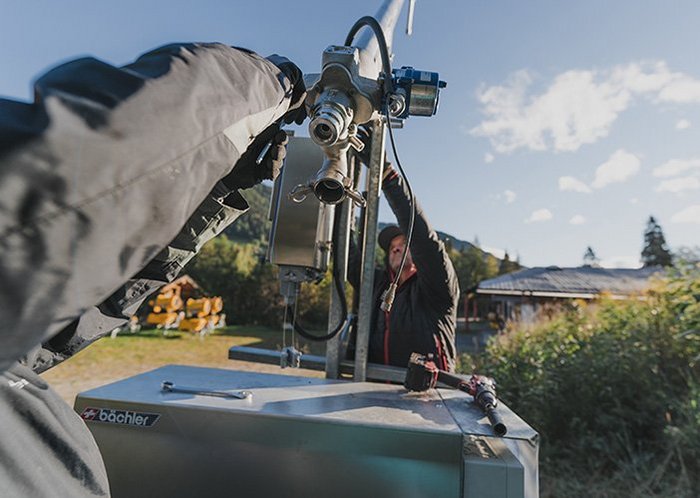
(108, 359)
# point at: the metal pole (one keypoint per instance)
(374, 180)
(340, 249)
(371, 66)
(370, 60)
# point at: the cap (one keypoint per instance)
(387, 235)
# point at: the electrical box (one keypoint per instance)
(301, 231)
(302, 437)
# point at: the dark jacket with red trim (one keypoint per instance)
(424, 315)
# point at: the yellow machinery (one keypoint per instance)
(203, 315)
(166, 308)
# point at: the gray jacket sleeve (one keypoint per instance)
(212, 216)
(106, 166)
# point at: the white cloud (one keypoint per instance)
(691, 214)
(634, 200)
(681, 89)
(621, 262)
(539, 216)
(676, 167)
(488, 158)
(619, 168)
(683, 124)
(577, 220)
(573, 184)
(508, 195)
(578, 107)
(676, 185)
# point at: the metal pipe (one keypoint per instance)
(334, 351)
(371, 66)
(370, 59)
(409, 18)
(381, 373)
(369, 244)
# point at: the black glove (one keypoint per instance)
(365, 136)
(246, 172)
(297, 111)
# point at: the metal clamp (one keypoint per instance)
(299, 193)
(290, 357)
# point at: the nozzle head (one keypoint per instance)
(329, 191)
(330, 118)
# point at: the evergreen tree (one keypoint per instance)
(507, 266)
(472, 265)
(655, 251)
(590, 258)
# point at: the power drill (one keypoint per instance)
(423, 374)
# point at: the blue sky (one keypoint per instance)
(564, 124)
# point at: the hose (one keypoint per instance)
(345, 317)
(371, 22)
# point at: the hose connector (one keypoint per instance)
(330, 118)
(388, 298)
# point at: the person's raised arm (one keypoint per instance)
(103, 170)
(435, 270)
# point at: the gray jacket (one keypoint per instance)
(109, 184)
(103, 170)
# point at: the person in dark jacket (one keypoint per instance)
(110, 182)
(424, 313)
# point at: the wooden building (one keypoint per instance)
(526, 294)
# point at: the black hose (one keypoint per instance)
(345, 317)
(299, 329)
(412, 218)
(372, 23)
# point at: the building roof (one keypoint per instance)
(584, 282)
(184, 280)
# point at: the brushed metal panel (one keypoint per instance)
(295, 436)
(297, 226)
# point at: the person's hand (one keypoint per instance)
(247, 172)
(365, 136)
(297, 111)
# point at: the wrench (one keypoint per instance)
(169, 387)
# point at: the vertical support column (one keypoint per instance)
(341, 248)
(369, 244)
(465, 305)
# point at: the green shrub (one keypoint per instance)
(611, 388)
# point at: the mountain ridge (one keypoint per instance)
(254, 225)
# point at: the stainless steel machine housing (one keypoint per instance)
(302, 437)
